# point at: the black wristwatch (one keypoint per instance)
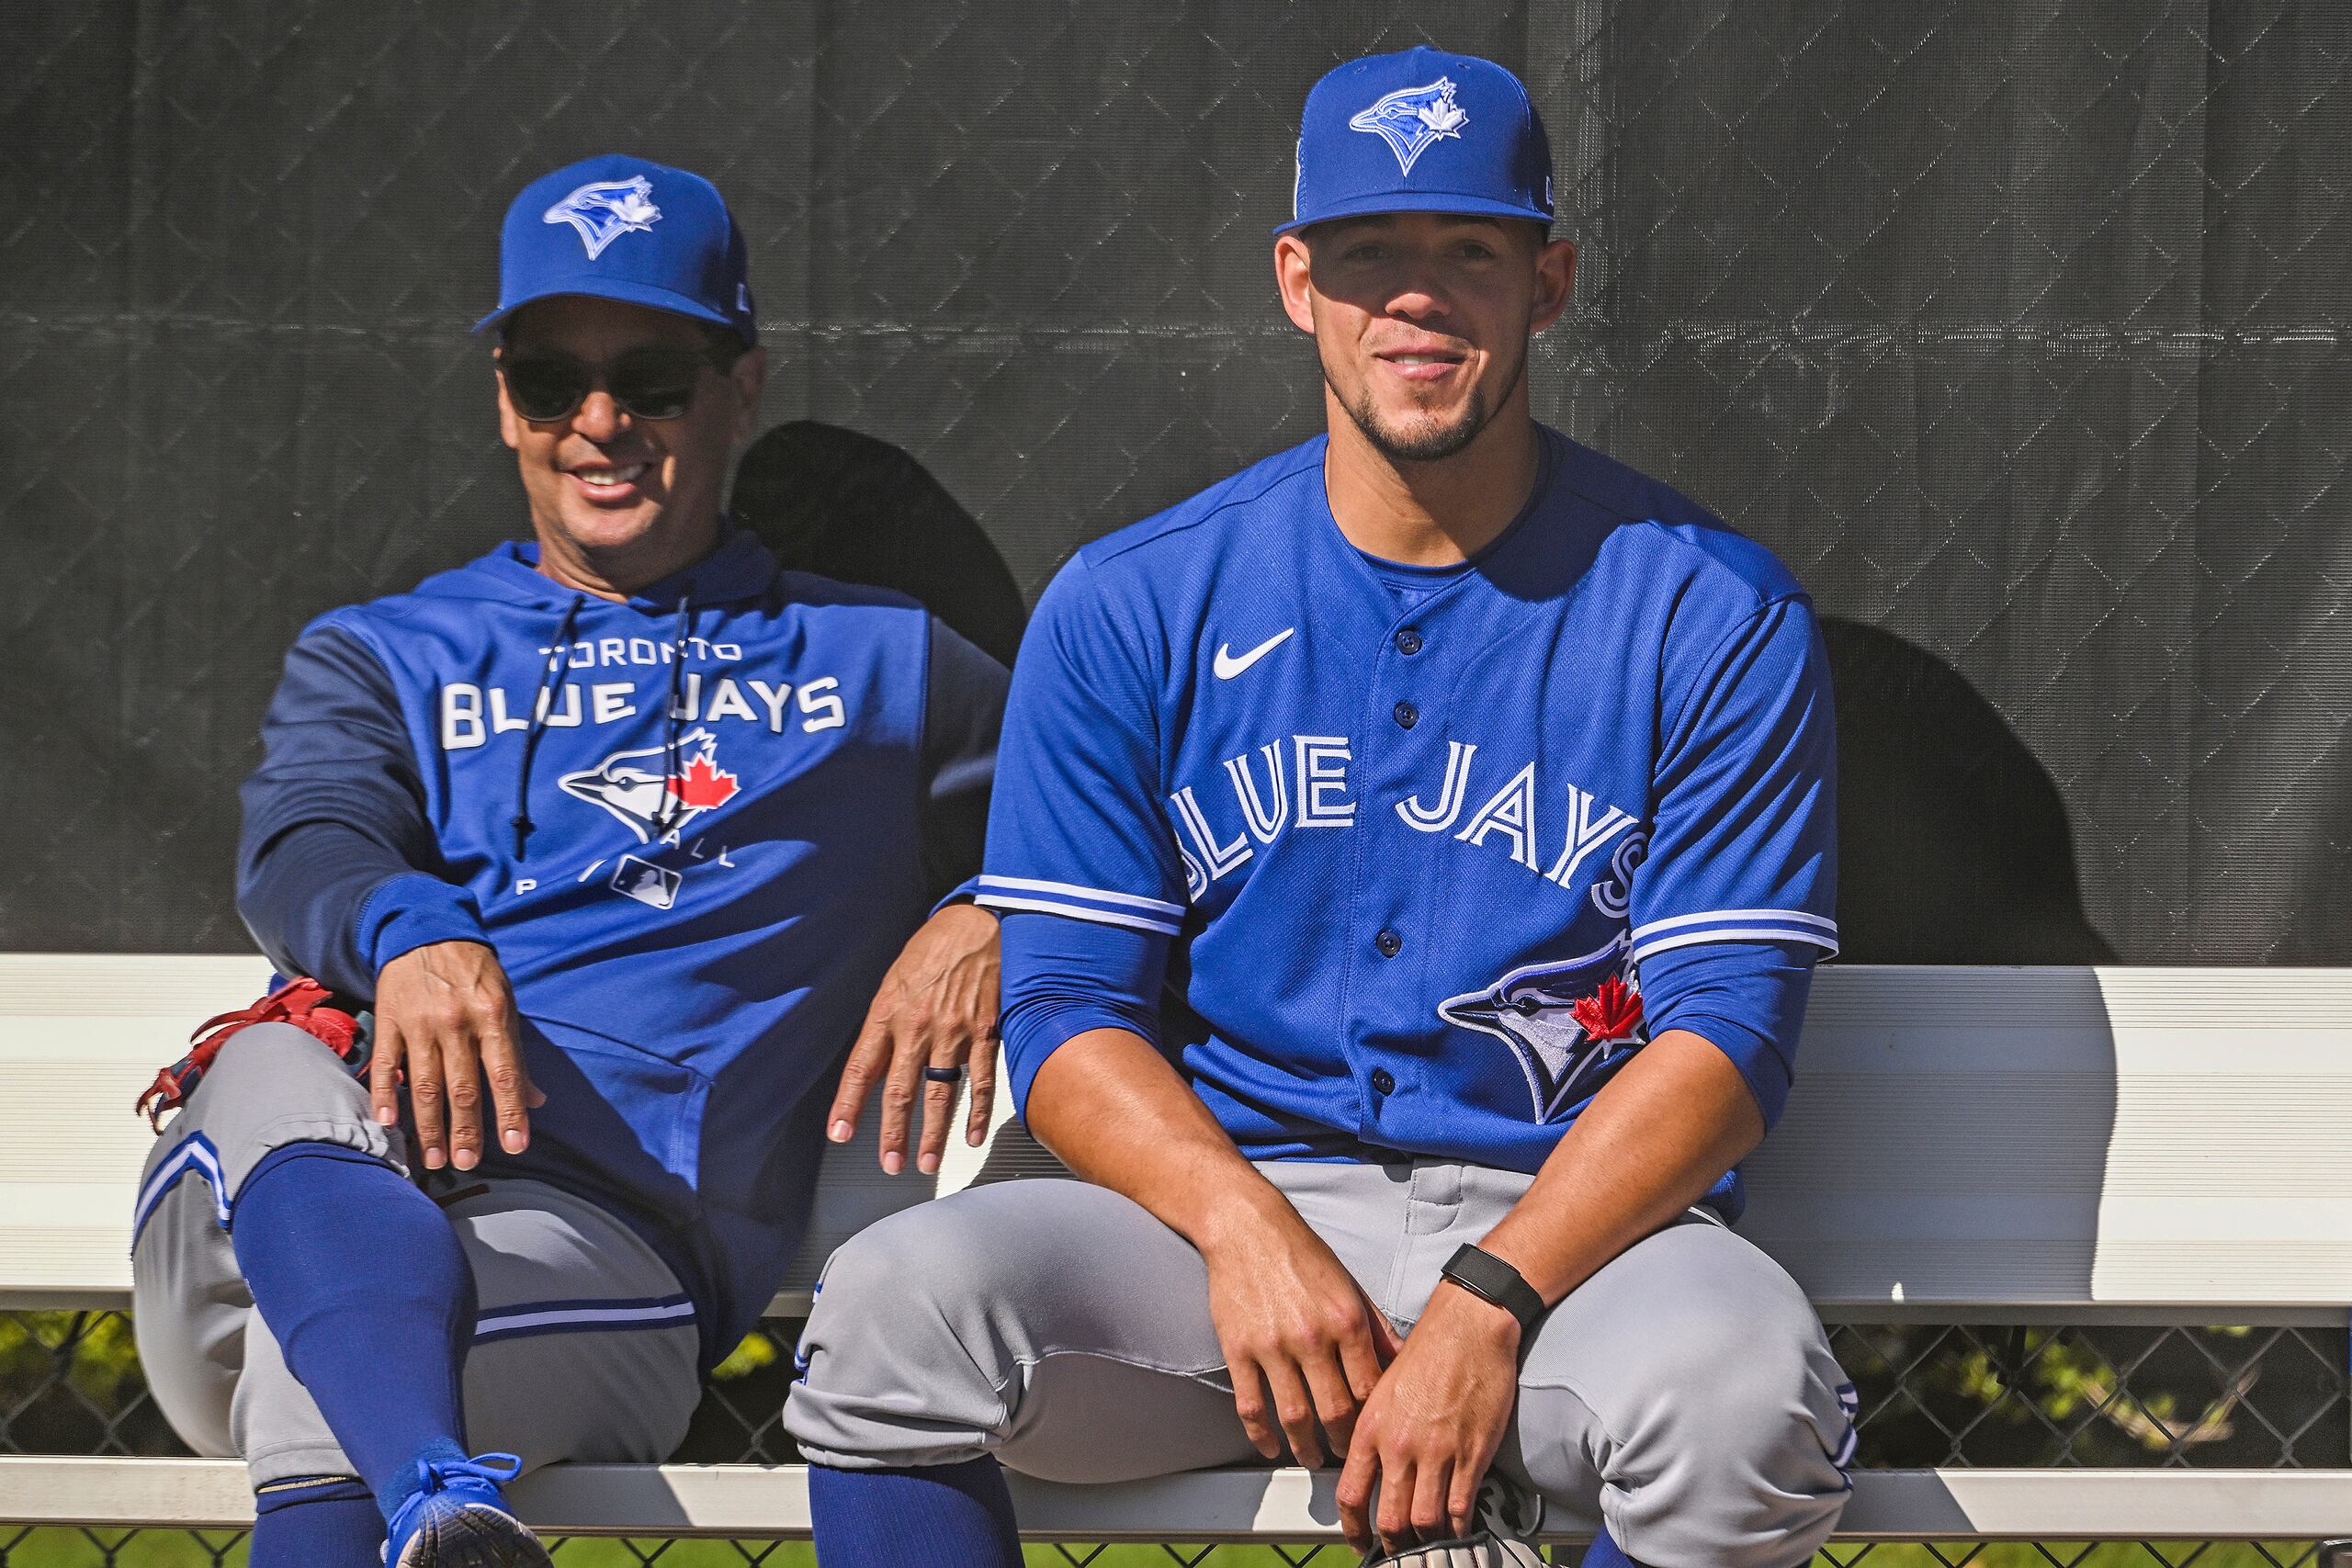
(1484, 1275)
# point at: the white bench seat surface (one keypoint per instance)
(1959, 1139)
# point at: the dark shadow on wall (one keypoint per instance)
(851, 507)
(1953, 845)
(1954, 848)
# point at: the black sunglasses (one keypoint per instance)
(648, 383)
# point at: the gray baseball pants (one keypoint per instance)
(585, 1347)
(1685, 1394)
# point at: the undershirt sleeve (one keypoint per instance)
(1064, 976)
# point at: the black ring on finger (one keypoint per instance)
(943, 1074)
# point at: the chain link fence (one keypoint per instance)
(2016, 326)
(1933, 1395)
(2019, 327)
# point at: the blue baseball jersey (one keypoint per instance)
(1389, 833)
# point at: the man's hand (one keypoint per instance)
(937, 1008)
(447, 1011)
(1431, 1427)
(1302, 1345)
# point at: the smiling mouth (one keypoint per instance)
(1423, 366)
(604, 479)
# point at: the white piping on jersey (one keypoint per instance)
(1734, 933)
(1032, 884)
(1078, 912)
(1789, 917)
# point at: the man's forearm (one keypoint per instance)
(301, 896)
(1110, 1107)
(1663, 1131)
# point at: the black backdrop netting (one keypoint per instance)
(2018, 329)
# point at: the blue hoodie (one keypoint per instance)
(697, 826)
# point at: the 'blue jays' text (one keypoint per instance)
(1301, 781)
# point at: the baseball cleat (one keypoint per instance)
(460, 1519)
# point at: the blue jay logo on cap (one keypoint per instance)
(606, 209)
(1413, 120)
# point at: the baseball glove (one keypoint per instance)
(1508, 1516)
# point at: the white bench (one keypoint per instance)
(2006, 1146)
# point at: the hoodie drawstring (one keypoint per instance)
(521, 821)
(671, 795)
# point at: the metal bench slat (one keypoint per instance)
(1960, 1139)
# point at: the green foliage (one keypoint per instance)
(757, 1351)
(44, 1354)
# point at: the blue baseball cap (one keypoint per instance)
(1420, 131)
(621, 228)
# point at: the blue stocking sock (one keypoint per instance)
(1605, 1553)
(326, 1523)
(363, 1283)
(944, 1516)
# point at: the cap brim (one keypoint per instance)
(1417, 201)
(626, 291)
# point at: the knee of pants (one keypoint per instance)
(1727, 1436)
(271, 1085)
(1740, 1383)
(919, 1279)
(902, 1360)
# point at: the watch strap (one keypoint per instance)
(1484, 1275)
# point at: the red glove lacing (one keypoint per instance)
(301, 1002)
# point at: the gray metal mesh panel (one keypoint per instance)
(1933, 1395)
(2016, 326)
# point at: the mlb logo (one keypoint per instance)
(645, 882)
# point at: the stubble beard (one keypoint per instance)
(1432, 443)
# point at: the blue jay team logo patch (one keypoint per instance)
(1561, 1021)
(657, 789)
(1414, 119)
(606, 209)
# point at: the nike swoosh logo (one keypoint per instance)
(1227, 666)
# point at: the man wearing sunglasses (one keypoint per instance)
(619, 833)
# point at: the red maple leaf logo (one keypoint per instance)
(1610, 1013)
(703, 784)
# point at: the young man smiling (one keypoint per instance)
(619, 832)
(1413, 852)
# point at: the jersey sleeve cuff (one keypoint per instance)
(1734, 925)
(414, 910)
(1099, 905)
(965, 892)
(1036, 1033)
